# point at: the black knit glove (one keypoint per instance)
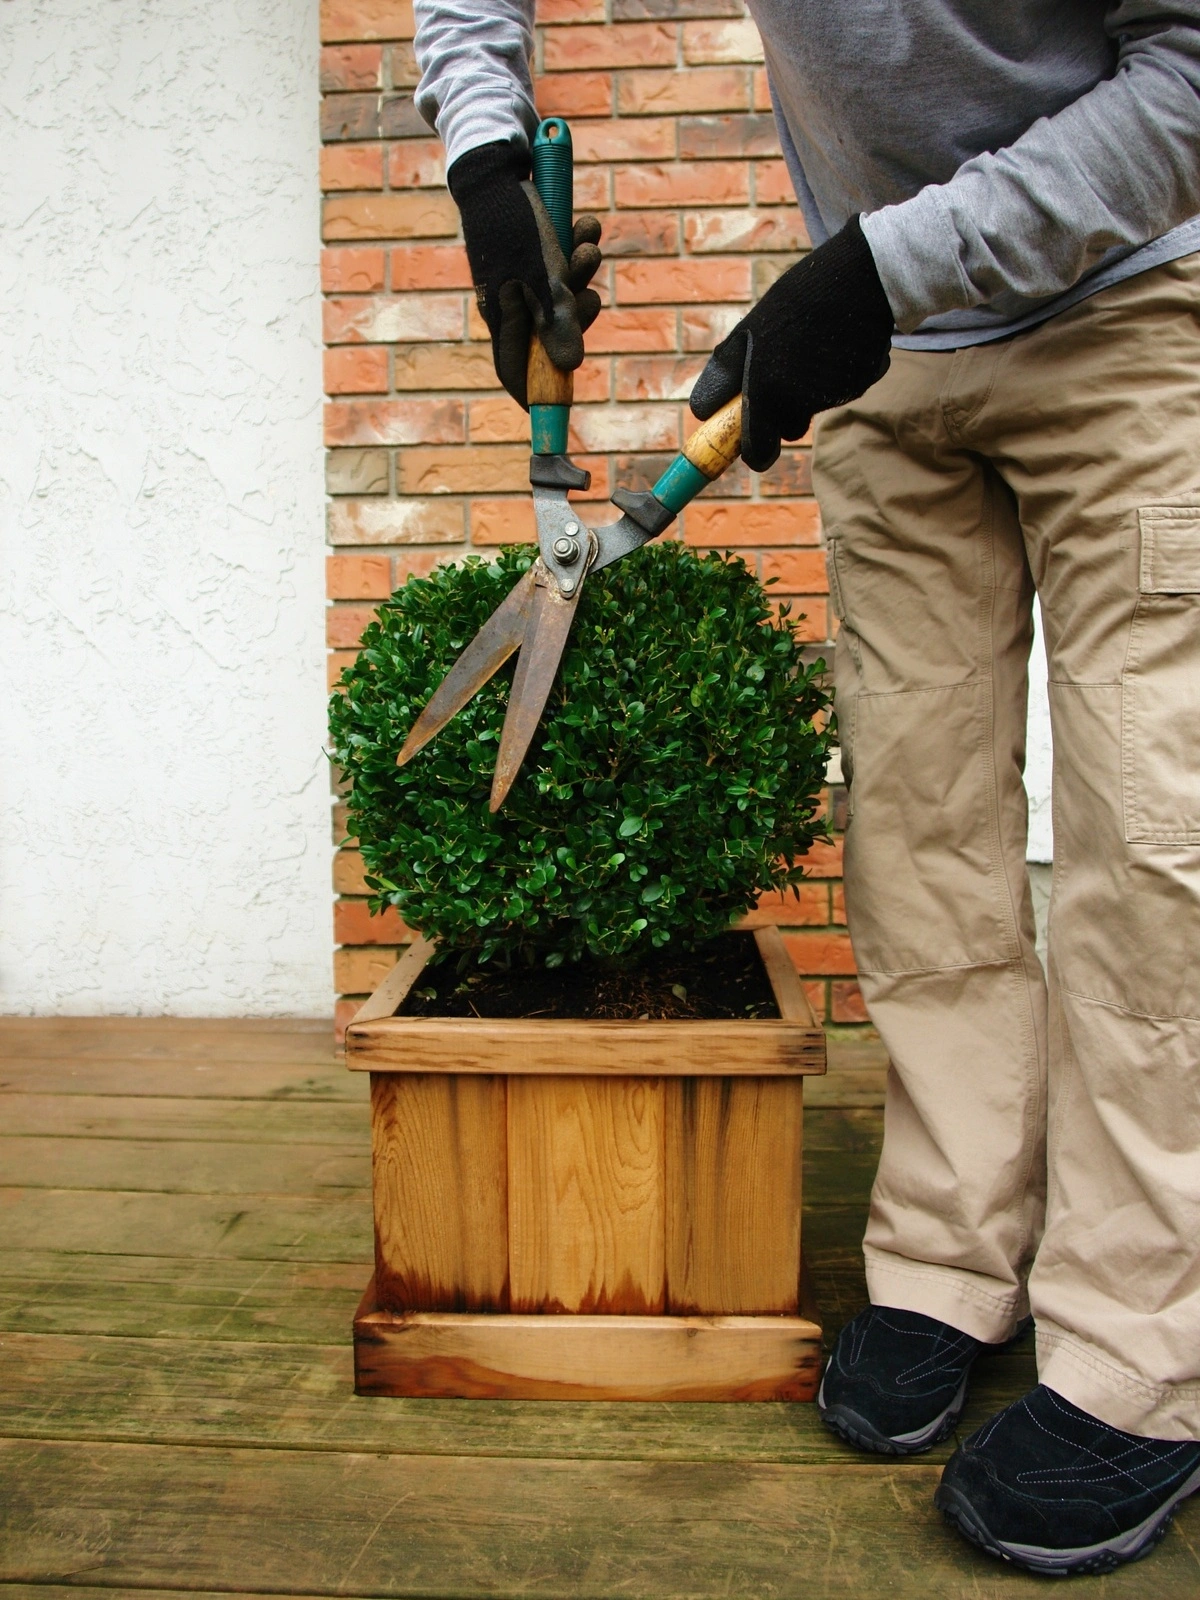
(819, 336)
(522, 281)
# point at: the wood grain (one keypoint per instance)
(587, 1357)
(546, 384)
(716, 444)
(585, 1049)
(393, 991)
(734, 1150)
(783, 977)
(440, 1188)
(586, 1195)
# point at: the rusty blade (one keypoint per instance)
(487, 652)
(537, 667)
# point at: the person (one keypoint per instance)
(999, 324)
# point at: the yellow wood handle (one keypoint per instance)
(717, 443)
(545, 384)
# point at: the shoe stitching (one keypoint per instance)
(1113, 1469)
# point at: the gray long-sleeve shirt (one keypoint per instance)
(1009, 157)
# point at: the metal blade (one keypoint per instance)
(537, 667)
(487, 652)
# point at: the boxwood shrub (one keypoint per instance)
(674, 777)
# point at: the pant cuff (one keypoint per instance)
(947, 1294)
(1096, 1384)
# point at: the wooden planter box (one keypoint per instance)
(587, 1210)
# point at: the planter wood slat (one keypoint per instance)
(588, 1209)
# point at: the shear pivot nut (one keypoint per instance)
(566, 548)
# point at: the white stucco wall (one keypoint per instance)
(164, 805)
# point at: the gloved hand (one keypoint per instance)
(522, 281)
(820, 336)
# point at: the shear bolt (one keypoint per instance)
(566, 549)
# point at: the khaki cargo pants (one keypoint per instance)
(1066, 460)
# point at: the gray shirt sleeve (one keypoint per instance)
(476, 86)
(1117, 168)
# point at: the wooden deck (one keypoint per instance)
(185, 1230)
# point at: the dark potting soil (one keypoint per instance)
(725, 978)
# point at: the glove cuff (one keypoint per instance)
(481, 170)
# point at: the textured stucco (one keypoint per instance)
(164, 821)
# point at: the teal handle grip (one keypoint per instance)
(679, 484)
(554, 177)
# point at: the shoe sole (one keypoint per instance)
(1092, 1558)
(856, 1430)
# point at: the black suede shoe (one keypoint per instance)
(896, 1382)
(1047, 1486)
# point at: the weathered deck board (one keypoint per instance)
(179, 1264)
(301, 1397)
(138, 1516)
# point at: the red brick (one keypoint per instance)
(366, 20)
(419, 564)
(629, 427)
(641, 94)
(811, 619)
(403, 72)
(797, 571)
(496, 522)
(772, 184)
(349, 116)
(443, 366)
(437, 520)
(762, 91)
(352, 166)
(790, 476)
(354, 924)
(477, 469)
(683, 183)
(647, 139)
(351, 66)
(344, 1011)
(395, 422)
(703, 327)
(640, 233)
(727, 523)
(390, 216)
(848, 1004)
(344, 625)
(632, 330)
(783, 228)
(716, 43)
(358, 577)
(360, 970)
(657, 377)
(348, 271)
(824, 858)
(680, 282)
(807, 904)
(814, 953)
(356, 369)
(574, 95)
(593, 382)
(650, 44)
(499, 421)
(839, 905)
(349, 872)
(336, 663)
(815, 991)
(628, 10)
(409, 318)
(713, 138)
(571, 11)
(430, 266)
(593, 189)
(416, 164)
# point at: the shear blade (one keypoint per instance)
(537, 666)
(502, 633)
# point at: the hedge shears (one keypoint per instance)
(536, 617)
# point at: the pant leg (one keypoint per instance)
(930, 582)
(1095, 423)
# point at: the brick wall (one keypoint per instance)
(676, 152)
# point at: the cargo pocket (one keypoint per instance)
(1160, 687)
(847, 665)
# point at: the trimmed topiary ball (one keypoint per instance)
(674, 777)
